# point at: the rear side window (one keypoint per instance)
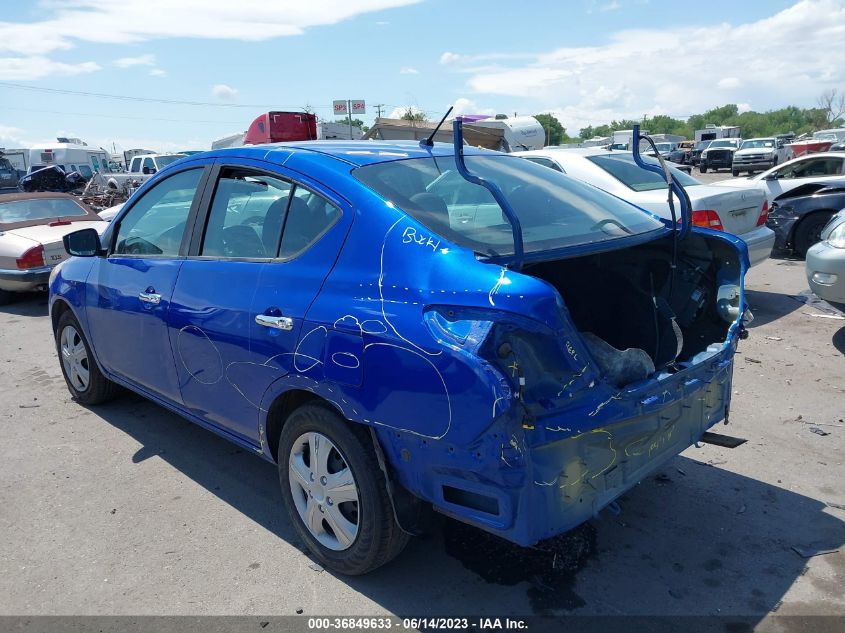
(247, 215)
(308, 218)
(156, 223)
(545, 162)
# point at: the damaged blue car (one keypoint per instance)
(402, 325)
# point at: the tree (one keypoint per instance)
(832, 103)
(555, 132)
(355, 122)
(411, 114)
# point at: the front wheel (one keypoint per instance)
(84, 379)
(702, 169)
(734, 172)
(809, 232)
(335, 491)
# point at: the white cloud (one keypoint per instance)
(12, 137)
(158, 72)
(224, 92)
(743, 107)
(132, 22)
(36, 67)
(450, 58)
(610, 6)
(141, 60)
(407, 70)
(463, 105)
(655, 71)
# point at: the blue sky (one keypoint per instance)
(587, 62)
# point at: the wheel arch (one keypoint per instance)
(280, 410)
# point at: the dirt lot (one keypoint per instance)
(128, 509)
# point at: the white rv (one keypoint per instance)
(521, 133)
(71, 155)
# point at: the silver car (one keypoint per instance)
(742, 213)
(826, 263)
(32, 226)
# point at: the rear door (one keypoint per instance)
(244, 290)
(129, 290)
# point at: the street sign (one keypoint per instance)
(340, 107)
(358, 107)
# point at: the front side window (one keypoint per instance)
(156, 223)
(309, 217)
(246, 216)
(812, 167)
(554, 210)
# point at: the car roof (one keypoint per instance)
(351, 152)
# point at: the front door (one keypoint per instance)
(129, 290)
(242, 293)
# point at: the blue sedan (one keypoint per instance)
(401, 327)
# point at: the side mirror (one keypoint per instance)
(773, 176)
(83, 243)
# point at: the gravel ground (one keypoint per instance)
(128, 509)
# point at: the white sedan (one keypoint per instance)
(778, 180)
(32, 226)
(741, 212)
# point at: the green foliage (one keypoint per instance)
(411, 115)
(555, 132)
(355, 123)
(753, 124)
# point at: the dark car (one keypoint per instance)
(695, 156)
(798, 216)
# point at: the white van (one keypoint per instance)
(71, 155)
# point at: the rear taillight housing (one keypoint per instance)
(33, 258)
(764, 214)
(707, 219)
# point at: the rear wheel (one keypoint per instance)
(84, 380)
(702, 168)
(809, 231)
(335, 492)
(735, 172)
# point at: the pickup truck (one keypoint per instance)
(759, 154)
(140, 169)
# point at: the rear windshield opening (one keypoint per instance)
(554, 210)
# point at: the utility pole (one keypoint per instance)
(378, 108)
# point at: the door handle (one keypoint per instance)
(277, 322)
(150, 297)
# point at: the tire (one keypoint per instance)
(352, 537)
(734, 172)
(702, 168)
(75, 359)
(808, 232)
(5, 297)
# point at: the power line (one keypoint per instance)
(118, 116)
(102, 95)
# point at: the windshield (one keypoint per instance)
(554, 210)
(758, 143)
(166, 160)
(38, 209)
(825, 136)
(625, 170)
(702, 145)
(724, 143)
(664, 147)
